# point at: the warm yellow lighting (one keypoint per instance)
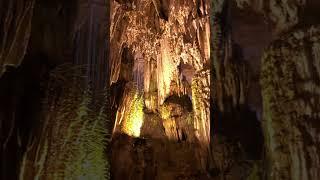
(134, 119)
(166, 70)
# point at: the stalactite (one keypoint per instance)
(173, 41)
(230, 73)
(150, 85)
(165, 41)
(138, 71)
(229, 82)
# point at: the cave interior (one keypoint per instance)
(160, 89)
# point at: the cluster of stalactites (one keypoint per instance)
(181, 38)
(173, 42)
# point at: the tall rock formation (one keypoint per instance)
(35, 38)
(290, 79)
(290, 88)
(167, 45)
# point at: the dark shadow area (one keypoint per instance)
(21, 92)
(242, 126)
(183, 101)
(154, 158)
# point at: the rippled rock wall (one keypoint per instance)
(290, 79)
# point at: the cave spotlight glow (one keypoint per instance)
(134, 121)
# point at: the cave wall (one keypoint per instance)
(236, 145)
(168, 41)
(263, 81)
(289, 80)
(15, 23)
(258, 60)
(290, 88)
(37, 37)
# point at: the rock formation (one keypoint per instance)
(290, 87)
(289, 82)
(69, 141)
(171, 40)
(15, 22)
(36, 37)
(194, 89)
(236, 143)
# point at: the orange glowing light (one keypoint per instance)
(134, 119)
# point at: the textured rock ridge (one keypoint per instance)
(290, 79)
(36, 37)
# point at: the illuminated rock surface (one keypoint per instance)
(194, 86)
(130, 115)
(35, 38)
(69, 143)
(172, 41)
(181, 39)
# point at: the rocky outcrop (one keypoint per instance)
(285, 15)
(289, 82)
(290, 79)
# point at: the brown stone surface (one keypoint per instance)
(290, 79)
(158, 159)
(171, 39)
(173, 67)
